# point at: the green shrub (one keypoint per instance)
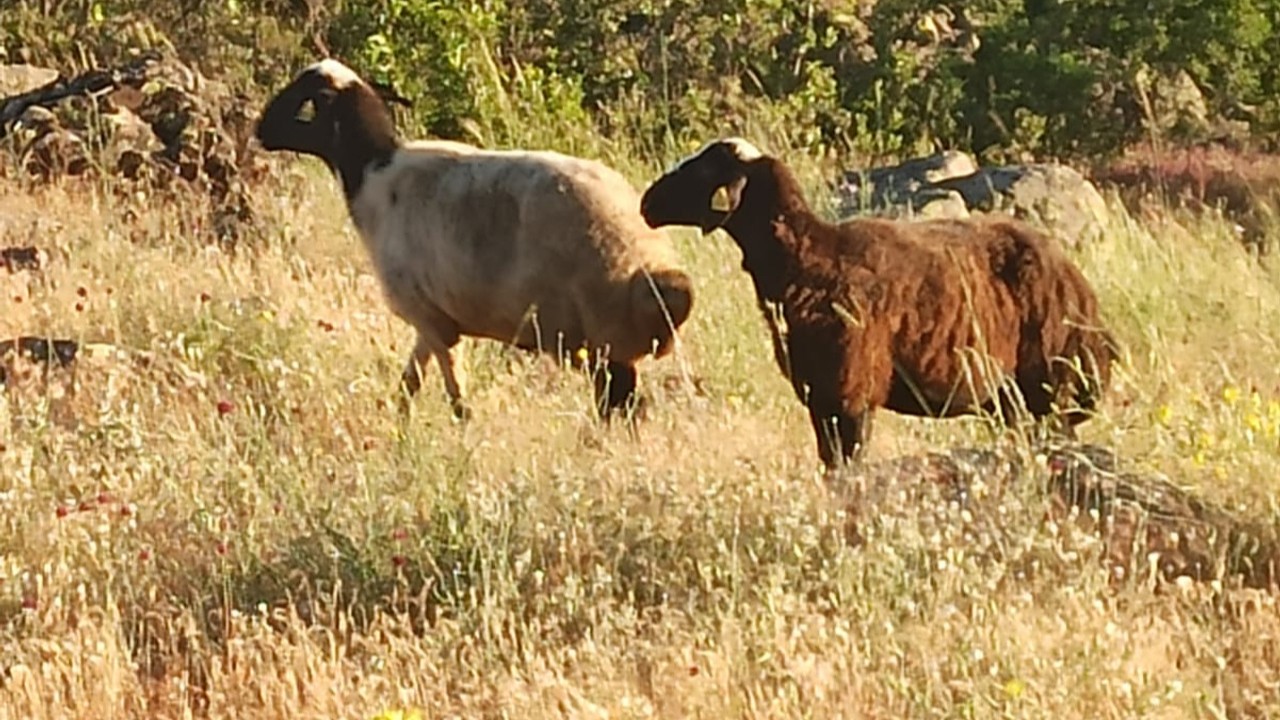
(1004, 78)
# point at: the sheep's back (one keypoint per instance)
(1033, 302)
(486, 236)
(894, 304)
(934, 283)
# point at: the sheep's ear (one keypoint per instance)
(724, 201)
(720, 201)
(727, 197)
(732, 195)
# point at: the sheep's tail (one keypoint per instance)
(661, 301)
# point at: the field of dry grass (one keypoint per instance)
(216, 513)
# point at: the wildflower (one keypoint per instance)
(1230, 394)
(225, 407)
(1164, 414)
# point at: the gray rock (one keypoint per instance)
(1054, 197)
(15, 79)
(909, 183)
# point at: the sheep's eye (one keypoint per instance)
(720, 200)
(307, 112)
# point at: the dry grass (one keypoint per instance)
(218, 512)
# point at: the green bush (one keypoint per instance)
(1004, 78)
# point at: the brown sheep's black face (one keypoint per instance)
(702, 191)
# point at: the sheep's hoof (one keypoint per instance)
(461, 413)
(638, 409)
(404, 405)
(634, 411)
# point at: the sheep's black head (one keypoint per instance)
(704, 189)
(330, 112)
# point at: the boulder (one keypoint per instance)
(16, 79)
(1055, 197)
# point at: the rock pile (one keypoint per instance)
(154, 125)
(952, 185)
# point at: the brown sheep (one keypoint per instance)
(545, 251)
(878, 313)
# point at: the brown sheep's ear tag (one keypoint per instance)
(720, 200)
(724, 201)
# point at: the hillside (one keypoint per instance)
(213, 511)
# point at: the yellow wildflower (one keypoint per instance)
(1231, 394)
(1164, 414)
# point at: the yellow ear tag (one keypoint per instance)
(720, 200)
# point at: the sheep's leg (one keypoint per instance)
(855, 432)
(411, 379)
(842, 437)
(460, 411)
(826, 434)
(615, 388)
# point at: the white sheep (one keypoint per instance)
(545, 251)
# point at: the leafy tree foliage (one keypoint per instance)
(1006, 78)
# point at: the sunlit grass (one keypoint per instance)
(226, 516)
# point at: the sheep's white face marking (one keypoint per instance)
(745, 151)
(339, 75)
